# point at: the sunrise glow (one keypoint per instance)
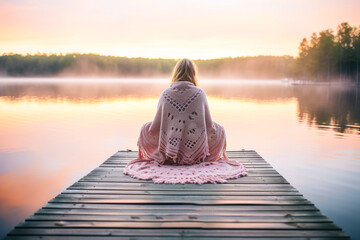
(167, 29)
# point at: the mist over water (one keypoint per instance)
(55, 130)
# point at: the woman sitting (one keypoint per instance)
(182, 144)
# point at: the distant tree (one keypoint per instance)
(301, 65)
(344, 41)
(326, 53)
(356, 46)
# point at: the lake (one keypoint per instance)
(53, 131)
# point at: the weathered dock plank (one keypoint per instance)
(105, 203)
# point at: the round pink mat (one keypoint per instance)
(213, 172)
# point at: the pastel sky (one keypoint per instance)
(168, 28)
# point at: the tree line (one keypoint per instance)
(325, 56)
(110, 66)
(329, 56)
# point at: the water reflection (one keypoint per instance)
(79, 91)
(336, 108)
(54, 131)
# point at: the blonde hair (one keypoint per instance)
(185, 70)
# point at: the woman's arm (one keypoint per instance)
(208, 119)
(156, 123)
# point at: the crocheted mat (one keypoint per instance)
(213, 172)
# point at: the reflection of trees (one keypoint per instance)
(77, 92)
(337, 107)
(98, 91)
(258, 93)
(334, 107)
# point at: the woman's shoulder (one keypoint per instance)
(180, 88)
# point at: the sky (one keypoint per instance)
(197, 29)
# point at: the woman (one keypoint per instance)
(182, 144)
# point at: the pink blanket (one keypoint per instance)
(182, 144)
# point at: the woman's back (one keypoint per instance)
(182, 126)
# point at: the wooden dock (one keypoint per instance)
(106, 204)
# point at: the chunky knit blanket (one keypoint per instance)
(182, 144)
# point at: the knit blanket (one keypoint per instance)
(182, 144)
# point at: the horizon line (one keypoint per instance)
(108, 55)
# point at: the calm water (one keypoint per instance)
(54, 131)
